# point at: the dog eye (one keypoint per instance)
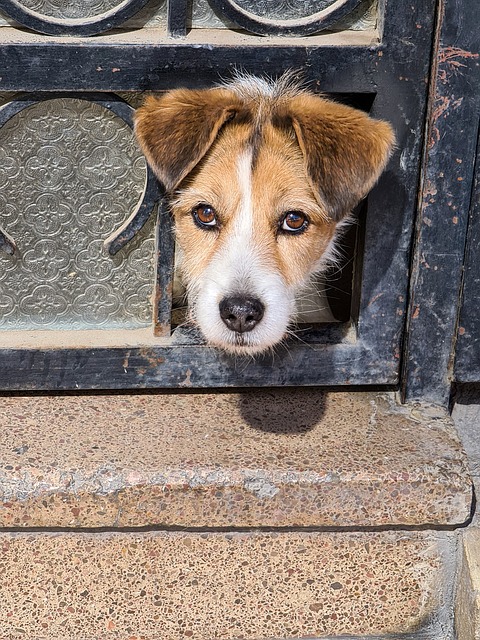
(294, 222)
(205, 216)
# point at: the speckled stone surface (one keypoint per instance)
(467, 604)
(254, 586)
(290, 457)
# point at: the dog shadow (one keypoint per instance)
(283, 411)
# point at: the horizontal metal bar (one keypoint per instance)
(193, 367)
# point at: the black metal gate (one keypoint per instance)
(71, 75)
(442, 338)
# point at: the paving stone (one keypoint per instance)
(467, 609)
(222, 586)
(279, 458)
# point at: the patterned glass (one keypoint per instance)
(363, 17)
(154, 14)
(70, 9)
(70, 174)
(283, 9)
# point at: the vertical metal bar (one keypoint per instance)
(177, 12)
(443, 205)
(165, 255)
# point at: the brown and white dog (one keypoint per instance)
(260, 176)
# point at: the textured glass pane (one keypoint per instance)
(204, 17)
(70, 174)
(283, 9)
(363, 17)
(70, 9)
(153, 14)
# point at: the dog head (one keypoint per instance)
(260, 175)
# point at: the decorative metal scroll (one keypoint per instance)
(30, 14)
(263, 18)
(141, 213)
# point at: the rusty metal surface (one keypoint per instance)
(444, 203)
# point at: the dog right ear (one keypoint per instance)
(177, 129)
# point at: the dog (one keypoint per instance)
(260, 175)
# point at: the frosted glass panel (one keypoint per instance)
(70, 9)
(363, 17)
(70, 174)
(283, 9)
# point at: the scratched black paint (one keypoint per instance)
(444, 204)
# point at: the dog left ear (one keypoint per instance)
(345, 150)
(177, 129)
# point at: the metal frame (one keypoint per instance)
(394, 70)
(467, 357)
(441, 231)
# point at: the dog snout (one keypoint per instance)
(241, 313)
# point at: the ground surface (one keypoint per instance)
(466, 415)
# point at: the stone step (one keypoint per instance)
(225, 586)
(466, 414)
(467, 604)
(256, 516)
(278, 458)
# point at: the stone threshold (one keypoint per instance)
(278, 458)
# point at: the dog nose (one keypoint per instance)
(241, 313)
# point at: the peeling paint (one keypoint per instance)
(443, 104)
(450, 58)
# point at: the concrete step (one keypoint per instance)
(264, 459)
(209, 586)
(467, 604)
(268, 515)
(466, 414)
